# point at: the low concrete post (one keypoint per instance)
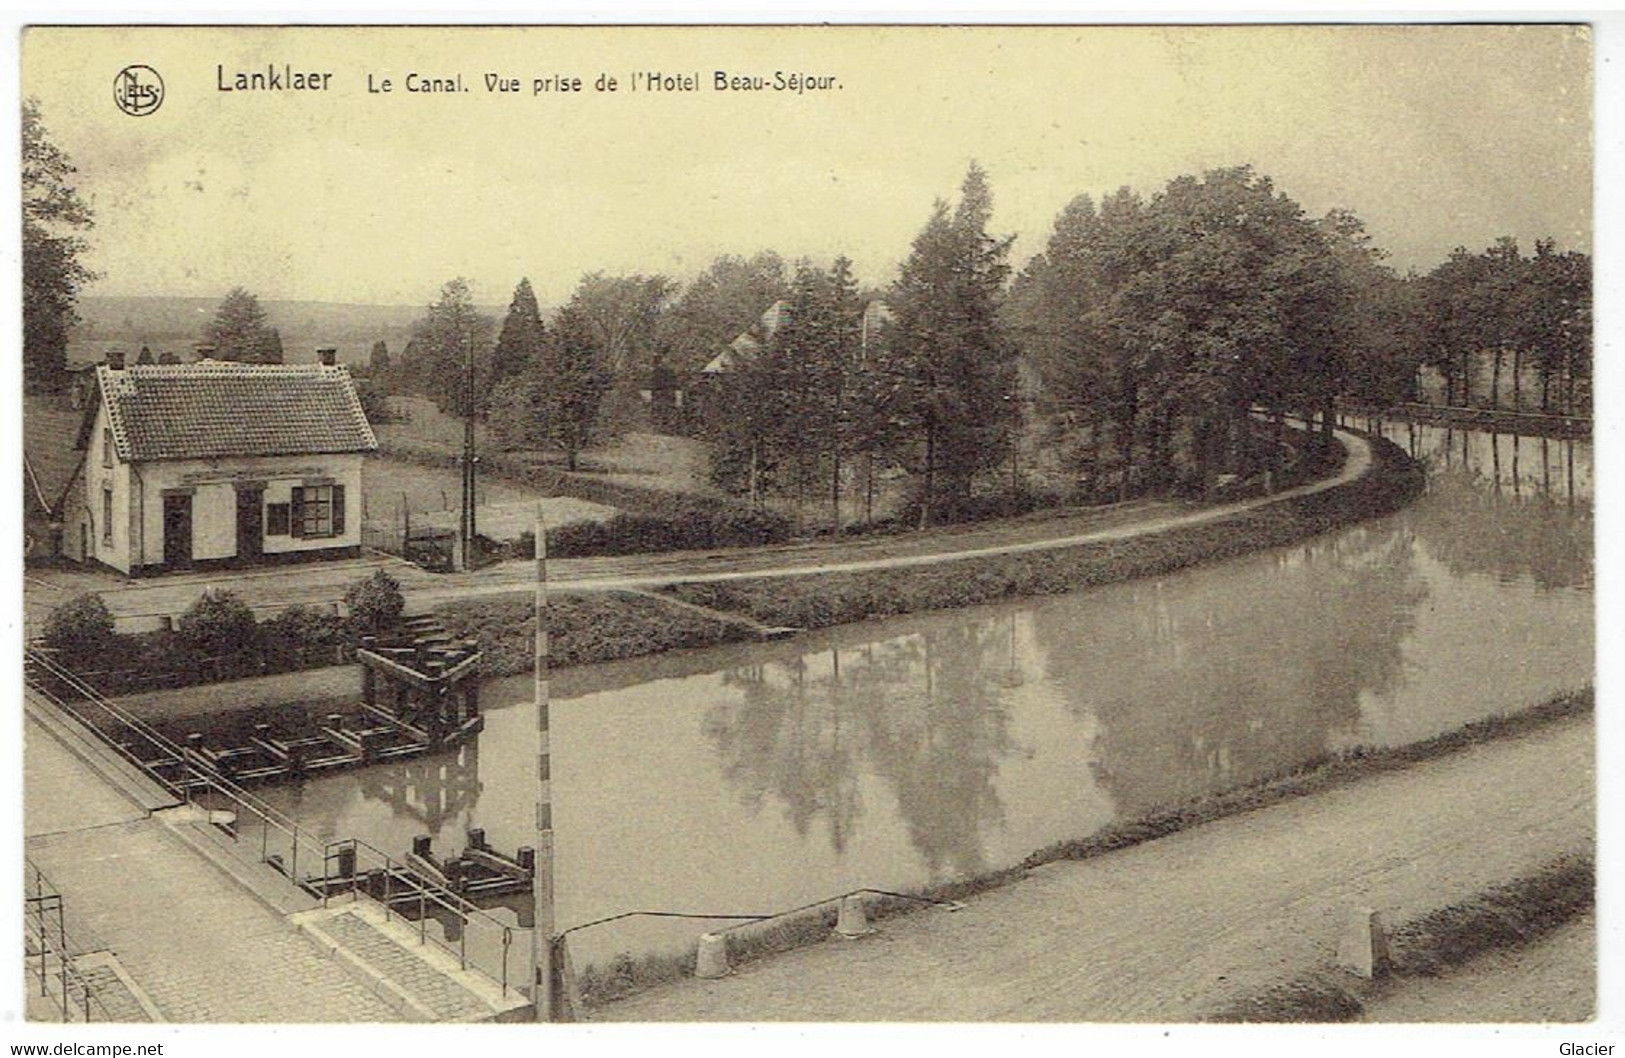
(712, 960)
(853, 918)
(1363, 948)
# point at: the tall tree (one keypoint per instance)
(577, 377)
(556, 398)
(519, 344)
(54, 220)
(953, 367)
(443, 340)
(238, 330)
(378, 360)
(622, 313)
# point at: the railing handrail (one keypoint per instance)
(247, 803)
(34, 926)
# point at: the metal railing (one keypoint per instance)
(478, 939)
(45, 931)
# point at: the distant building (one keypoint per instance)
(218, 464)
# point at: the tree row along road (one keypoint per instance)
(318, 584)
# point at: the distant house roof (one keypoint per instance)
(739, 352)
(217, 408)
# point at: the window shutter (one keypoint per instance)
(338, 510)
(298, 514)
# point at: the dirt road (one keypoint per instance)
(136, 602)
(1177, 927)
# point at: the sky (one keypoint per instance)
(1437, 136)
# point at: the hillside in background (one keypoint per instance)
(175, 324)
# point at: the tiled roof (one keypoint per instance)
(217, 408)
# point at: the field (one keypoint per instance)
(656, 461)
(433, 496)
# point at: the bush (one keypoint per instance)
(288, 637)
(685, 529)
(218, 623)
(375, 604)
(80, 629)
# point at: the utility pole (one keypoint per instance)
(467, 527)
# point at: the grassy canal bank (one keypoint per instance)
(1503, 918)
(612, 626)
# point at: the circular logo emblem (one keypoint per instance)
(138, 90)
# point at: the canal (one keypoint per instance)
(758, 777)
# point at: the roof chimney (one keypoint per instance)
(205, 351)
(115, 359)
(328, 355)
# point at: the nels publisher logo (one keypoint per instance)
(138, 90)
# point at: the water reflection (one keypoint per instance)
(761, 776)
(921, 713)
(1197, 690)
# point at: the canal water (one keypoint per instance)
(753, 778)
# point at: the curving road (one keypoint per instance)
(139, 602)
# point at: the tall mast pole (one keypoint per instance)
(542, 882)
(468, 448)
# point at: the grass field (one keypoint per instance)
(656, 461)
(433, 496)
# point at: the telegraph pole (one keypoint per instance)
(467, 526)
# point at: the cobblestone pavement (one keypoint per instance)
(197, 943)
(448, 1000)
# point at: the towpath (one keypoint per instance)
(1174, 928)
(138, 602)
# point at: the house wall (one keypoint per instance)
(213, 484)
(88, 520)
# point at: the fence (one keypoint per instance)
(261, 835)
(45, 939)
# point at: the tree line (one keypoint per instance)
(1135, 349)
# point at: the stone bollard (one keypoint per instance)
(1363, 948)
(712, 960)
(853, 918)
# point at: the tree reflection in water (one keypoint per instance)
(921, 713)
(1197, 690)
(1506, 525)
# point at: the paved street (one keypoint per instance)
(194, 940)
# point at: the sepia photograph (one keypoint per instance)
(1075, 524)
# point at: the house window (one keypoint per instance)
(107, 517)
(107, 448)
(317, 511)
(276, 519)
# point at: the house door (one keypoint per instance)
(178, 530)
(250, 524)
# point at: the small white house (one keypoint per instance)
(219, 464)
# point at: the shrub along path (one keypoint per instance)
(1174, 929)
(268, 590)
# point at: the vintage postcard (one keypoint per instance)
(1078, 524)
